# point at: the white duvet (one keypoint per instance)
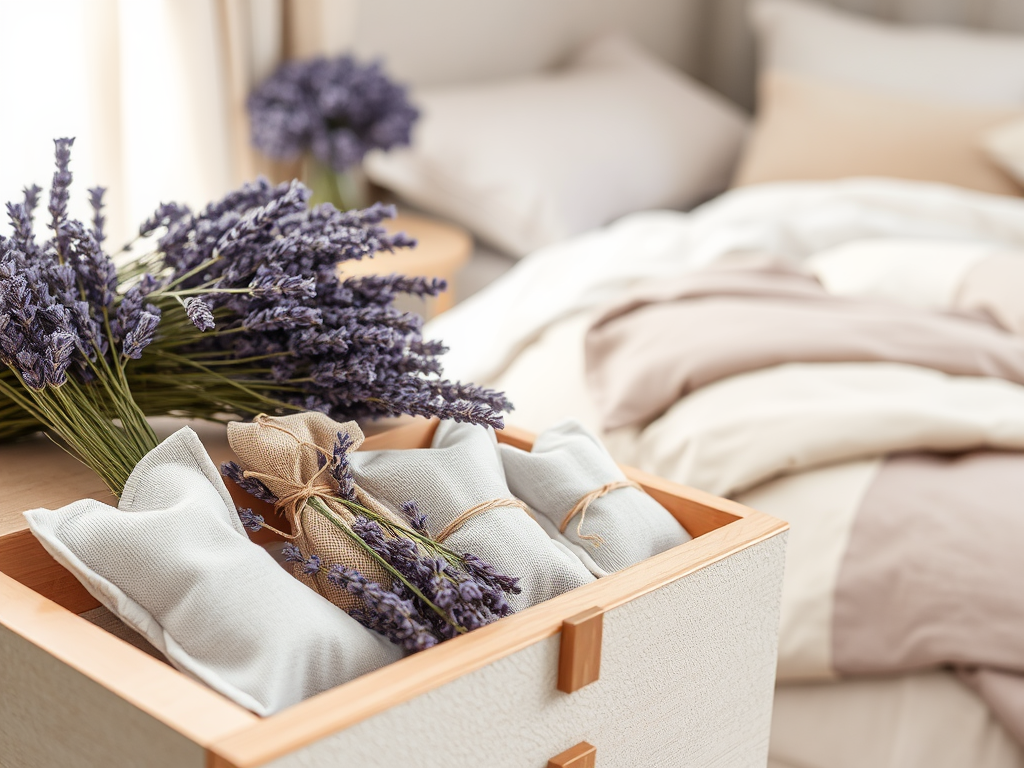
(790, 219)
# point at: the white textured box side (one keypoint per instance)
(687, 677)
(52, 716)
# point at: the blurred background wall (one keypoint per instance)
(155, 89)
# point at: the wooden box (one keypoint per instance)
(670, 662)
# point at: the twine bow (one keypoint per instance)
(299, 493)
(484, 506)
(581, 508)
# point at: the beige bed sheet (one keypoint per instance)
(927, 720)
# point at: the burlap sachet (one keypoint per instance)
(287, 454)
(583, 499)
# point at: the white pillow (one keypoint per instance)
(930, 63)
(527, 162)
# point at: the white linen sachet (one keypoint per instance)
(461, 471)
(618, 528)
(174, 563)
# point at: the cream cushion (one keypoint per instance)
(812, 129)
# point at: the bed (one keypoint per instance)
(880, 182)
(531, 341)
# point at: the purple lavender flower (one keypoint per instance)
(250, 485)
(416, 519)
(468, 602)
(270, 282)
(311, 565)
(59, 191)
(98, 220)
(267, 264)
(250, 520)
(164, 216)
(141, 336)
(336, 108)
(282, 317)
(387, 613)
(292, 554)
(200, 314)
(340, 469)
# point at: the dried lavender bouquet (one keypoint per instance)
(246, 314)
(65, 337)
(430, 593)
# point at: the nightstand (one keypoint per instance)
(442, 250)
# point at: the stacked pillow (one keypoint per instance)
(843, 95)
(531, 161)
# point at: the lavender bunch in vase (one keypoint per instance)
(330, 112)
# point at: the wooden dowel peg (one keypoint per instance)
(579, 661)
(583, 755)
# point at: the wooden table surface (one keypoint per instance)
(35, 472)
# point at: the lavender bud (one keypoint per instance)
(199, 313)
(250, 520)
(250, 485)
(416, 519)
(141, 336)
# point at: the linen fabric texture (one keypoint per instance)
(173, 562)
(617, 530)
(461, 470)
(286, 452)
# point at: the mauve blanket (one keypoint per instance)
(906, 562)
(660, 345)
(870, 427)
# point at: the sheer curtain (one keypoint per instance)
(153, 90)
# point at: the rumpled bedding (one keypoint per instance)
(862, 381)
(931, 569)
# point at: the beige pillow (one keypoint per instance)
(812, 129)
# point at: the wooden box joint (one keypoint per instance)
(583, 755)
(579, 660)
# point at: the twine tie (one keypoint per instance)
(479, 509)
(300, 493)
(584, 503)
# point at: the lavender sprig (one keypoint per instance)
(386, 612)
(267, 265)
(250, 520)
(250, 485)
(340, 469)
(416, 519)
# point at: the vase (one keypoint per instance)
(345, 190)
